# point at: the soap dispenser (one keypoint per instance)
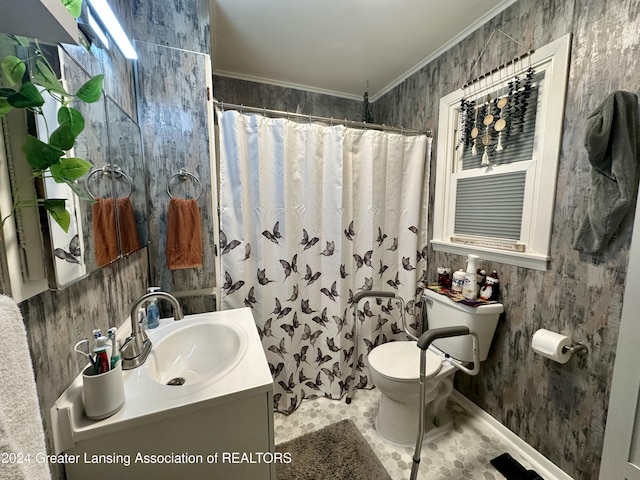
(153, 313)
(470, 287)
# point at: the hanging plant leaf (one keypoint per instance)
(56, 207)
(20, 40)
(12, 69)
(80, 191)
(40, 155)
(62, 137)
(14, 39)
(69, 169)
(44, 77)
(91, 91)
(28, 96)
(4, 107)
(74, 7)
(5, 92)
(47, 158)
(71, 117)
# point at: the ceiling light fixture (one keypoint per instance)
(108, 19)
(93, 24)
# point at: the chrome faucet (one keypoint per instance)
(137, 347)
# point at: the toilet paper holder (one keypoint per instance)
(556, 346)
(578, 348)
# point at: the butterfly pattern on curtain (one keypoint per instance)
(311, 215)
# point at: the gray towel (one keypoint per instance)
(612, 143)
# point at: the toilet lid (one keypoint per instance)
(401, 361)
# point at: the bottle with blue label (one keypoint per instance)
(153, 313)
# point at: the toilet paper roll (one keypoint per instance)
(551, 345)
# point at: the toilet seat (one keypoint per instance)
(400, 361)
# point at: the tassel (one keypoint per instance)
(474, 151)
(499, 147)
(485, 158)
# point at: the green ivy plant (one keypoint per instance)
(74, 7)
(22, 83)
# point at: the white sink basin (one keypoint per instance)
(186, 356)
(193, 354)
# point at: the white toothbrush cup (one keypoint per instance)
(104, 393)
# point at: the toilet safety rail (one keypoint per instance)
(355, 300)
(423, 344)
(457, 364)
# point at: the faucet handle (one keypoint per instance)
(142, 314)
(127, 344)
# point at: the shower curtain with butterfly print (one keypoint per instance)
(310, 215)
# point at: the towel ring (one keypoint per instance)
(109, 170)
(183, 175)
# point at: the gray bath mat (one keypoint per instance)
(336, 452)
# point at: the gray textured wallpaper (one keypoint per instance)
(558, 409)
(182, 24)
(174, 121)
(173, 43)
(262, 95)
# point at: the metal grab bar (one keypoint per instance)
(423, 343)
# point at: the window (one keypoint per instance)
(495, 187)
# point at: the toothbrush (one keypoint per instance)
(115, 356)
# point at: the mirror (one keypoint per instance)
(129, 184)
(115, 224)
(99, 232)
(74, 252)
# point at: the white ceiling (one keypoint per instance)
(337, 46)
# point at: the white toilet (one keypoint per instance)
(395, 369)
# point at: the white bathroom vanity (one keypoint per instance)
(218, 424)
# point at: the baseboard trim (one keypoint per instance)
(541, 464)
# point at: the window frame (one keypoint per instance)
(541, 170)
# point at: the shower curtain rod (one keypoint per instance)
(331, 120)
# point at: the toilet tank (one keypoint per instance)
(441, 311)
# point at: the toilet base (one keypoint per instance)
(397, 420)
(432, 432)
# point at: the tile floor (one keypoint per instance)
(462, 453)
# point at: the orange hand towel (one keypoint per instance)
(184, 234)
(128, 228)
(105, 237)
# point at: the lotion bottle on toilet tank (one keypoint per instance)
(470, 287)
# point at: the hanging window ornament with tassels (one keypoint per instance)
(488, 118)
